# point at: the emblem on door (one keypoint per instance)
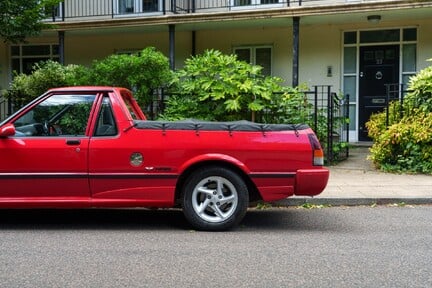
(378, 75)
(136, 159)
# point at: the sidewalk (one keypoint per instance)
(356, 182)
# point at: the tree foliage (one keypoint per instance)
(141, 72)
(20, 19)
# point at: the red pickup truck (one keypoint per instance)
(83, 147)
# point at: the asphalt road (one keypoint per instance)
(280, 247)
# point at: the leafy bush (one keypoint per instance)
(215, 86)
(46, 75)
(406, 144)
(378, 122)
(141, 72)
(420, 96)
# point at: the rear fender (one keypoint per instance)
(214, 157)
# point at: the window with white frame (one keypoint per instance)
(256, 55)
(24, 57)
(124, 7)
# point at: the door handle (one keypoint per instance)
(73, 142)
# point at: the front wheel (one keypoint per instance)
(214, 198)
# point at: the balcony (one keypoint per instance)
(88, 10)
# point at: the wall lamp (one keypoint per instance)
(374, 19)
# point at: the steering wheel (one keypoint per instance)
(50, 129)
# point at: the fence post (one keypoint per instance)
(329, 124)
(346, 116)
(316, 108)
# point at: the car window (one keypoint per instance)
(106, 125)
(60, 114)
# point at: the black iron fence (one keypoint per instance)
(70, 9)
(330, 121)
(395, 92)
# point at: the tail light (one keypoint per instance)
(317, 152)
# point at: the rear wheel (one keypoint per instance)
(215, 198)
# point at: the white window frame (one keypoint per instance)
(253, 49)
(137, 9)
(255, 4)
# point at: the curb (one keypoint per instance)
(352, 201)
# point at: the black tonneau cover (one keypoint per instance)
(199, 125)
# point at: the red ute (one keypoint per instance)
(93, 147)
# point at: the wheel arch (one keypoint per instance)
(254, 195)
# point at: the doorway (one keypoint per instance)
(379, 65)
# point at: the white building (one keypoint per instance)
(355, 46)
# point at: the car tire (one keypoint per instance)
(214, 199)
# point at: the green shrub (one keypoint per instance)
(406, 144)
(46, 75)
(378, 122)
(141, 72)
(220, 87)
(420, 96)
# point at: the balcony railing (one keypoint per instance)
(77, 10)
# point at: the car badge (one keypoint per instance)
(136, 159)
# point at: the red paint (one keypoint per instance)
(89, 171)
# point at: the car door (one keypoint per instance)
(46, 161)
(123, 167)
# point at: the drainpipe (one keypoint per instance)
(193, 43)
(61, 40)
(296, 37)
(171, 28)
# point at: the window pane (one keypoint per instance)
(379, 36)
(352, 117)
(28, 64)
(150, 5)
(410, 34)
(16, 65)
(243, 54)
(263, 58)
(350, 87)
(350, 37)
(405, 80)
(409, 57)
(15, 50)
(55, 50)
(269, 1)
(126, 6)
(242, 2)
(30, 50)
(59, 114)
(350, 63)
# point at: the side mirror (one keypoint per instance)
(7, 130)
